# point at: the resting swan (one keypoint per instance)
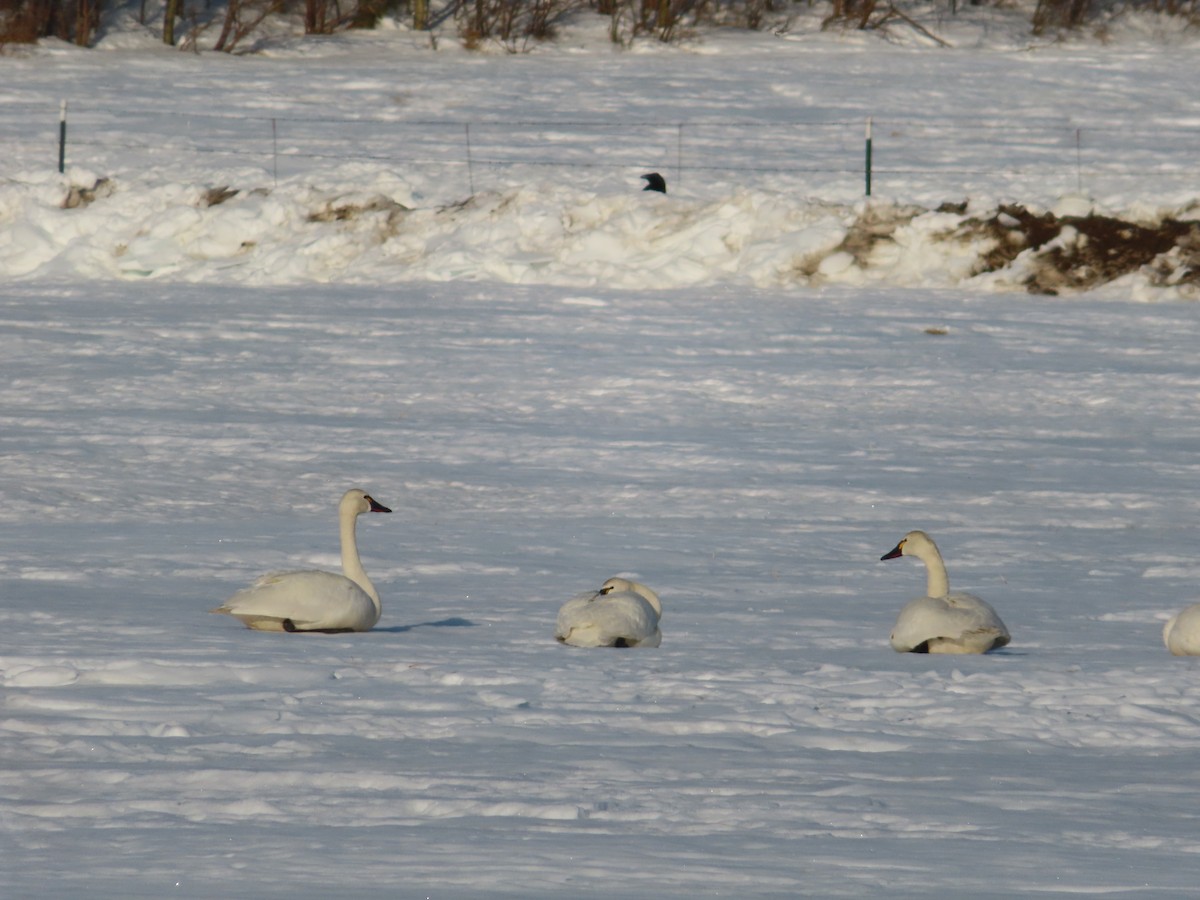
(941, 621)
(1182, 633)
(312, 600)
(622, 613)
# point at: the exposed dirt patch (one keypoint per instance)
(1066, 253)
(875, 225)
(348, 211)
(81, 195)
(1074, 253)
(217, 195)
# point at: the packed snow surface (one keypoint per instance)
(576, 379)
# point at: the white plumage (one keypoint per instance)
(942, 621)
(312, 600)
(1182, 633)
(622, 613)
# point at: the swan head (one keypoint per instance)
(626, 584)
(915, 543)
(617, 584)
(358, 501)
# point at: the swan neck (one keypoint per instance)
(352, 566)
(937, 583)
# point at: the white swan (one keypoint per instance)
(1182, 633)
(312, 600)
(941, 621)
(622, 613)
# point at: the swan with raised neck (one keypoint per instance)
(942, 621)
(311, 599)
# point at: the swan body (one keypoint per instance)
(943, 621)
(1182, 633)
(622, 613)
(313, 600)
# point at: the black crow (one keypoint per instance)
(655, 182)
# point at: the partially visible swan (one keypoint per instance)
(622, 613)
(312, 600)
(941, 621)
(1182, 633)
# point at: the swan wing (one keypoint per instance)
(616, 619)
(302, 601)
(957, 623)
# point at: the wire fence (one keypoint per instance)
(823, 158)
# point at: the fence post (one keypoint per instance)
(1079, 160)
(470, 167)
(868, 161)
(62, 137)
(679, 153)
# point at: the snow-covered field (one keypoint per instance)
(546, 400)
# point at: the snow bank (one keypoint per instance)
(548, 234)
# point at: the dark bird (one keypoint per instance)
(655, 182)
